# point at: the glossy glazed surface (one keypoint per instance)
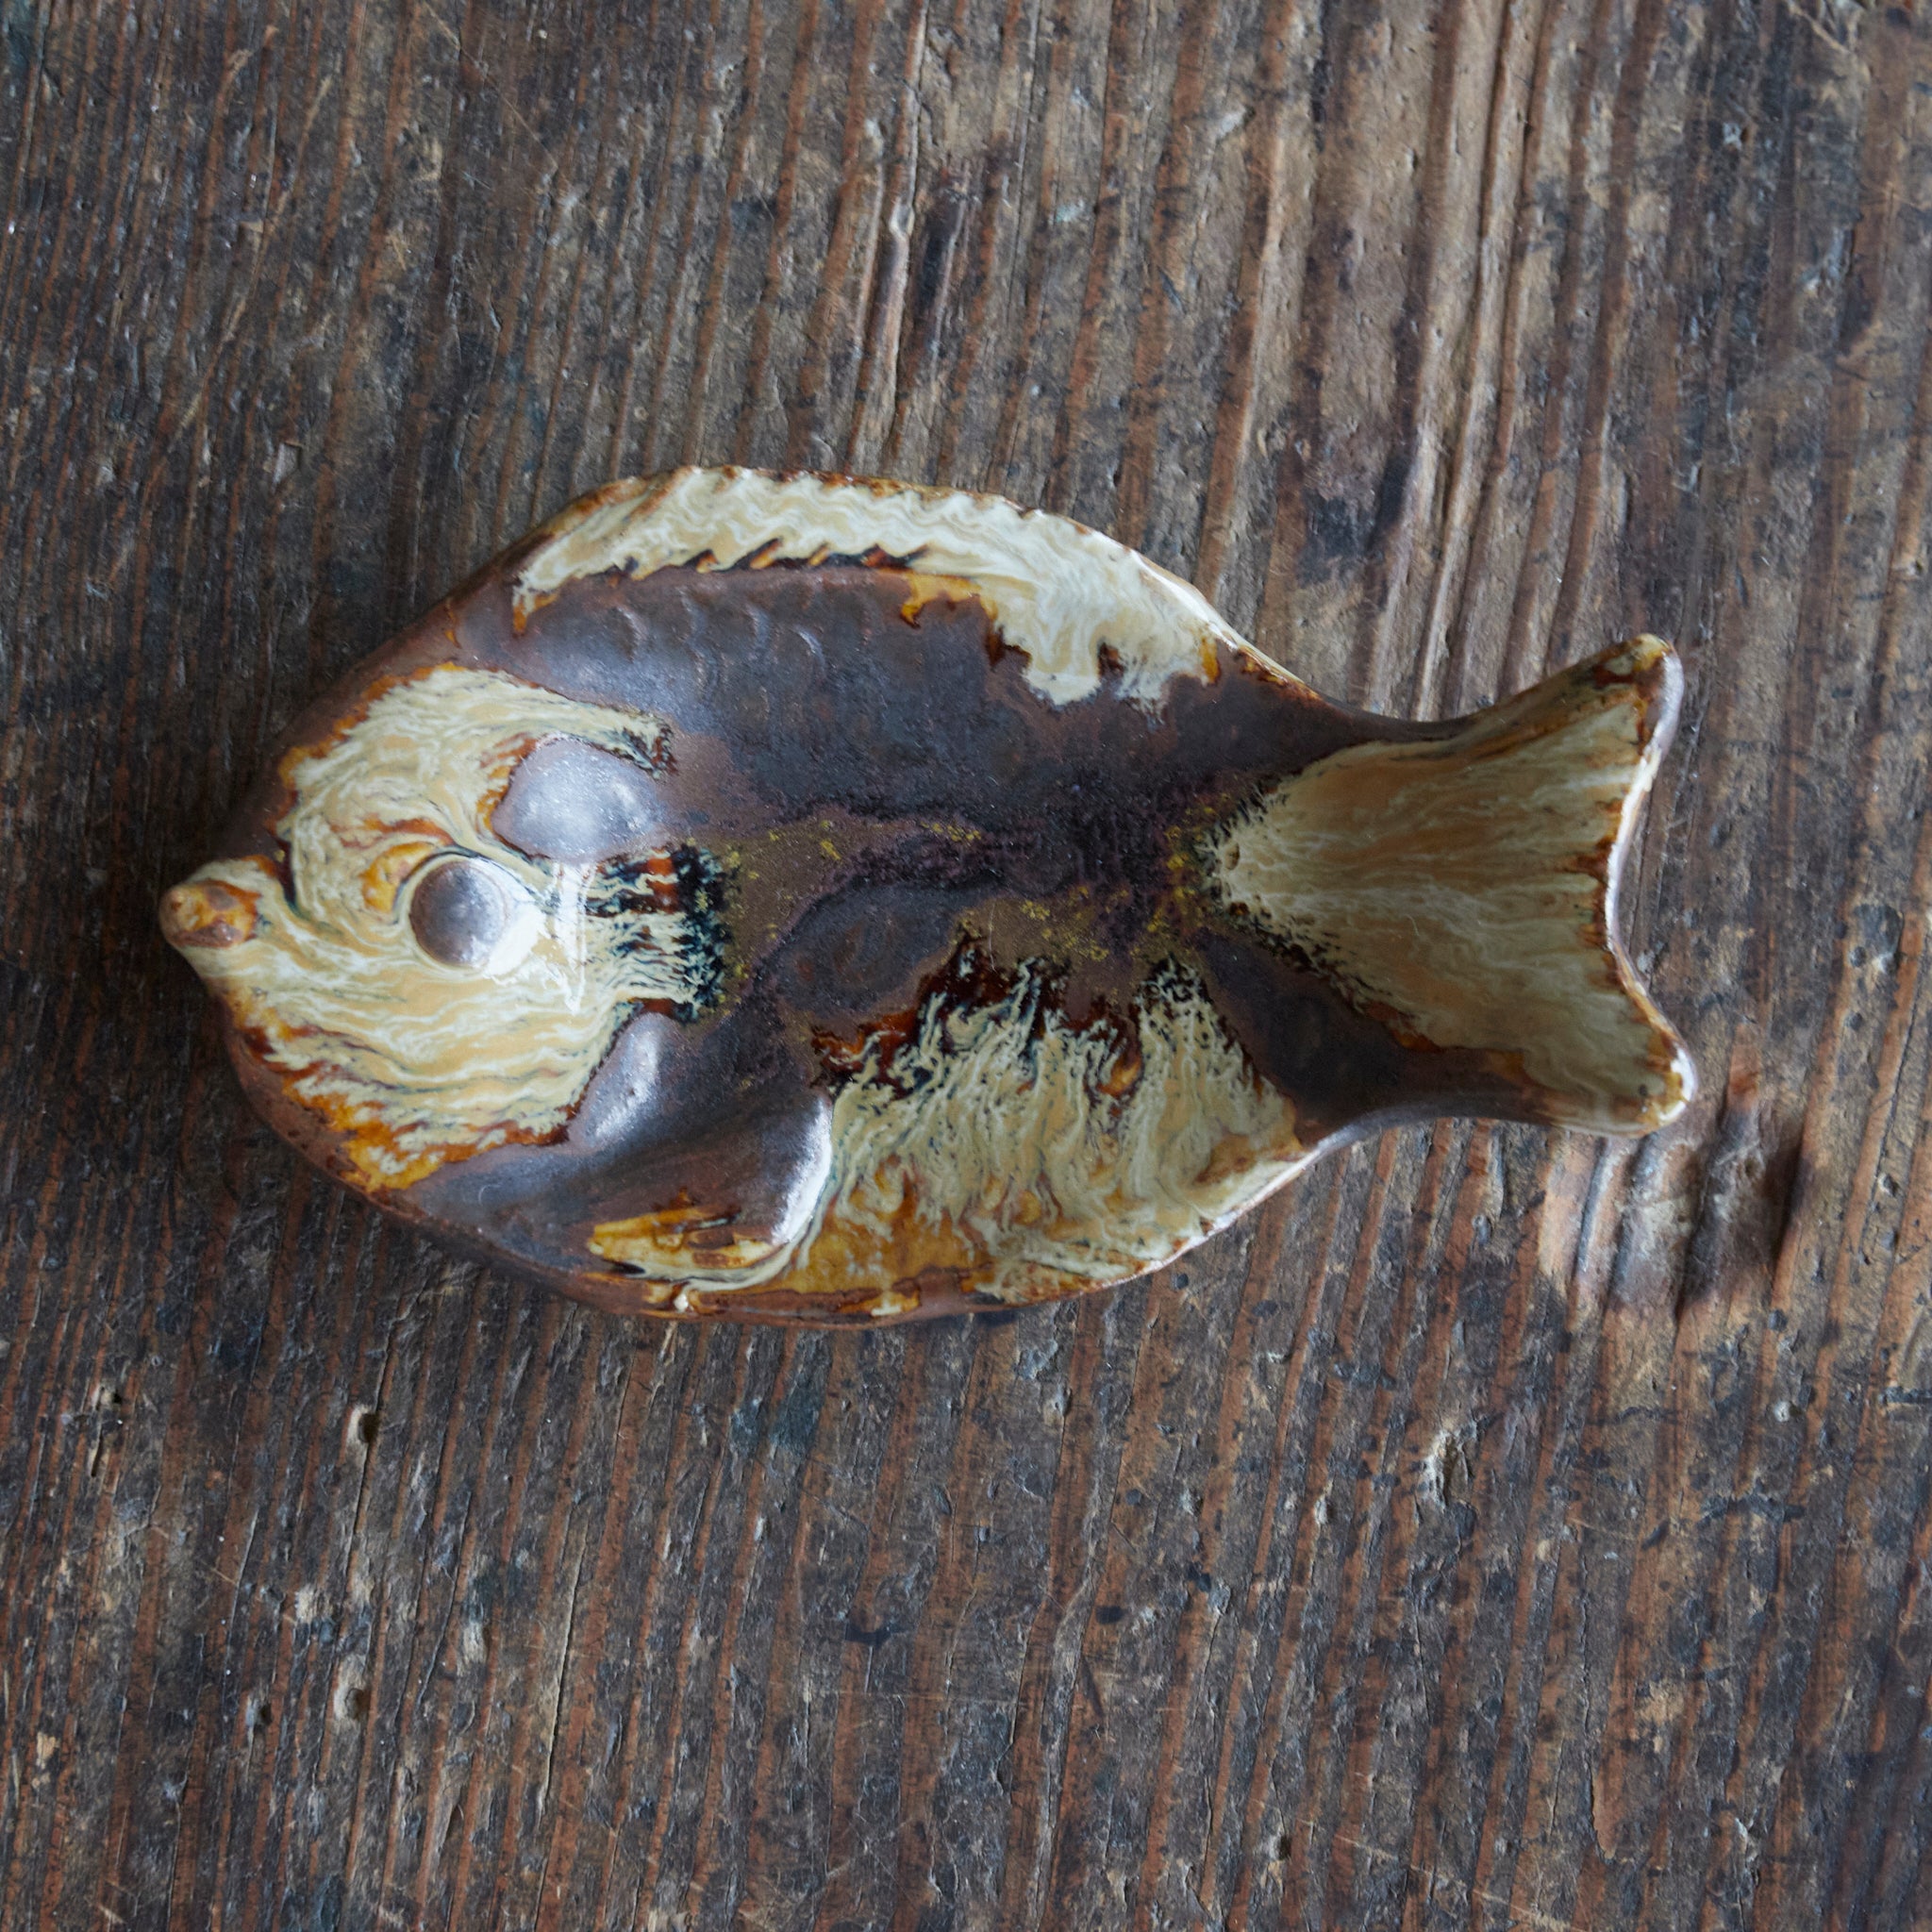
(809, 898)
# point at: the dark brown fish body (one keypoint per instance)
(790, 921)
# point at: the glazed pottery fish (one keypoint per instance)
(794, 896)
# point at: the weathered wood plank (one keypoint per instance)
(1502, 1529)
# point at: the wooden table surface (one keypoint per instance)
(1502, 1529)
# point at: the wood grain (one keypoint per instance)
(1502, 1529)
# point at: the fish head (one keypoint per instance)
(423, 985)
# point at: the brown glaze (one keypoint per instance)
(856, 824)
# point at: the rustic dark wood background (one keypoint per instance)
(1501, 1530)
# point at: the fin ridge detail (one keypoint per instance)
(1464, 889)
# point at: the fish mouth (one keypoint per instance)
(203, 913)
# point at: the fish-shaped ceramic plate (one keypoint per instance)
(807, 897)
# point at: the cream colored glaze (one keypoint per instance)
(1058, 590)
(1466, 885)
(1022, 1152)
(417, 1061)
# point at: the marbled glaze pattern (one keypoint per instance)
(1457, 887)
(425, 1052)
(830, 899)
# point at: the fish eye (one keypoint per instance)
(461, 908)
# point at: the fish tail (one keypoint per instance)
(1463, 887)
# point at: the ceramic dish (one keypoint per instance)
(803, 897)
